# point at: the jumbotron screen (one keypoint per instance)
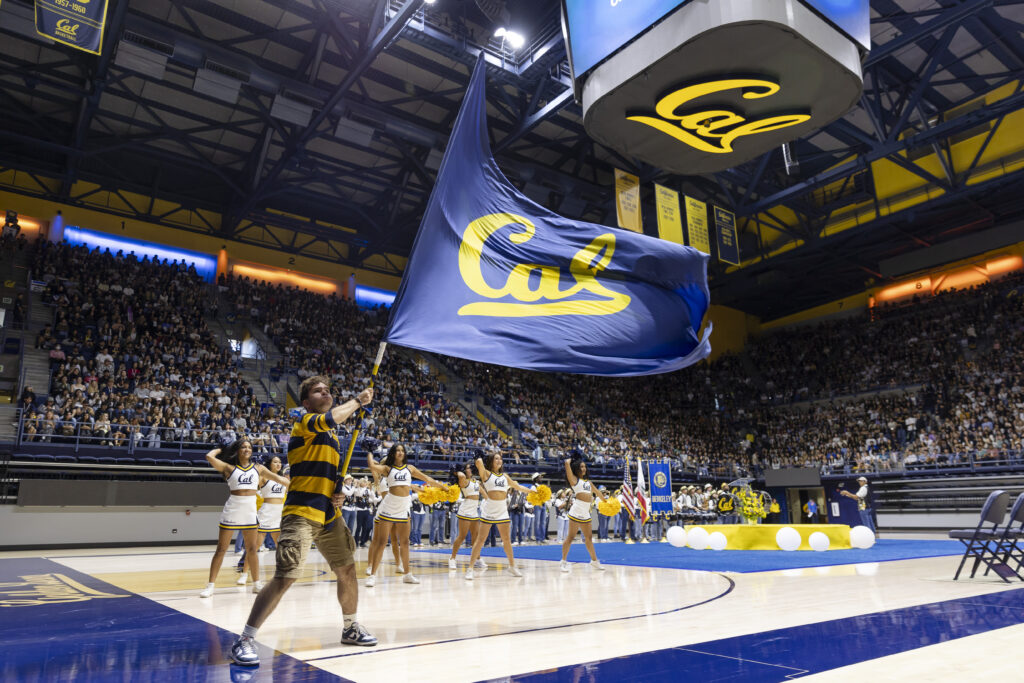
(598, 28)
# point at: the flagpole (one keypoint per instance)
(362, 411)
(627, 532)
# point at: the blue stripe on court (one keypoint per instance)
(663, 555)
(788, 653)
(57, 624)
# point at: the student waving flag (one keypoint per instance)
(496, 278)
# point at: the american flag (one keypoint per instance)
(641, 496)
(627, 493)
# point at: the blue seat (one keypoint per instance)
(42, 457)
(164, 462)
(145, 461)
(125, 461)
(182, 463)
(978, 542)
(106, 460)
(88, 459)
(65, 458)
(22, 456)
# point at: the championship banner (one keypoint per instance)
(661, 488)
(697, 225)
(78, 23)
(670, 222)
(725, 230)
(627, 201)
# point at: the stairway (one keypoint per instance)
(8, 423)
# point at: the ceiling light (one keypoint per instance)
(500, 32)
(514, 39)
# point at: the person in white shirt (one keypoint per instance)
(863, 503)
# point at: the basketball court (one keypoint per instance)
(135, 614)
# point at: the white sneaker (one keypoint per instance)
(469, 575)
(207, 592)
(596, 564)
(564, 566)
(409, 578)
(371, 581)
(515, 572)
(480, 564)
(242, 579)
(257, 587)
(452, 564)
(263, 549)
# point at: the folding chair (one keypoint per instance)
(977, 541)
(1008, 546)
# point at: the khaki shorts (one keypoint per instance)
(297, 533)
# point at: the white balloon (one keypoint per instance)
(697, 538)
(788, 538)
(862, 537)
(717, 541)
(676, 536)
(819, 541)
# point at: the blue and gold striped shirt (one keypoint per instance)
(313, 456)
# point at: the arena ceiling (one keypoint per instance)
(316, 126)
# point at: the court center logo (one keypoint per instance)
(48, 589)
(714, 128)
(537, 287)
(660, 480)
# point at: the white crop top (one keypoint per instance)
(582, 486)
(273, 490)
(398, 476)
(472, 489)
(495, 482)
(244, 480)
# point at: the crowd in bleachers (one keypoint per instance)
(132, 358)
(331, 336)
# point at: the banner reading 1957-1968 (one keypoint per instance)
(78, 23)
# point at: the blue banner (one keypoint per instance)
(78, 23)
(494, 277)
(661, 488)
(725, 232)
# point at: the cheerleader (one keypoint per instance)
(494, 484)
(579, 513)
(378, 539)
(393, 512)
(468, 515)
(243, 476)
(269, 514)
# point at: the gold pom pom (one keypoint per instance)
(430, 495)
(541, 495)
(451, 493)
(609, 507)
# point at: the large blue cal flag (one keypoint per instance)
(496, 278)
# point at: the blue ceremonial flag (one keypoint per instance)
(661, 488)
(496, 278)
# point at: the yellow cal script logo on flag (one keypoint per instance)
(714, 129)
(584, 267)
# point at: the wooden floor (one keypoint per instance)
(549, 622)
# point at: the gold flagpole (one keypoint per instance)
(362, 411)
